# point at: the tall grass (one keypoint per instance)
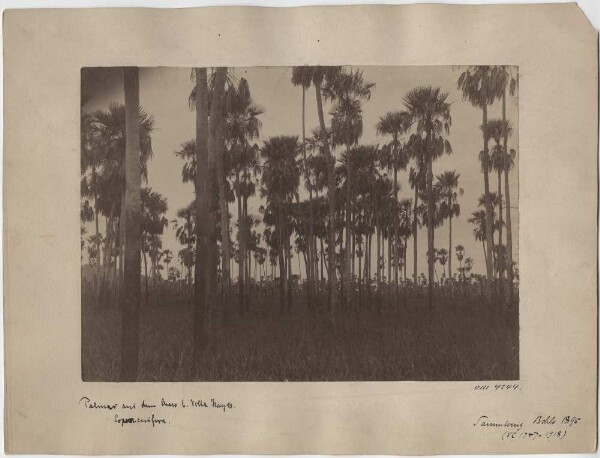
(463, 341)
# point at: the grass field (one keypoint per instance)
(466, 342)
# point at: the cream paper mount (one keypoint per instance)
(550, 408)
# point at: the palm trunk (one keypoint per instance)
(450, 241)
(404, 268)
(331, 200)
(121, 277)
(390, 262)
(488, 210)
(215, 154)
(484, 251)
(154, 274)
(450, 278)
(430, 228)
(509, 269)
(202, 208)
(310, 275)
(289, 265)
(353, 248)
(130, 319)
(290, 283)
(322, 258)
(282, 262)
(415, 233)
(240, 246)
(396, 235)
(368, 267)
(360, 278)
(98, 255)
(348, 261)
(145, 272)
(500, 253)
(225, 241)
(244, 252)
(103, 294)
(378, 276)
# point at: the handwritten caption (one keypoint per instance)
(151, 412)
(540, 427)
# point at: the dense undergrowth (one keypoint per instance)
(459, 341)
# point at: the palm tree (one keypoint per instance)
(481, 85)
(479, 220)
(468, 266)
(459, 251)
(105, 134)
(216, 154)
(417, 151)
(201, 176)
(186, 233)
(443, 257)
(168, 254)
(153, 208)
(394, 157)
(155, 252)
(301, 76)
(509, 84)
(500, 159)
(448, 182)
(280, 180)
(187, 152)
(406, 221)
(109, 131)
(318, 76)
(241, 125)
(347, 90)
(215, 146)
(132, 261)
(91, 163)
(430, 113)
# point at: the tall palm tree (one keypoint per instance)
(508, 85)
(318, 76)
(91, 164)
(417, 151)
(215, 158)
(153, 223)
(448, 182)
(108, 133)
(187, 152)
(430, 113)
(479, 220)
(301, 76)
(394, 157)
(186, 232)
(481, 85)
(406, 221)
(280, 180)
(201, 178)
(132, 261)
(347, 90)
(499, 159)
(241, 125)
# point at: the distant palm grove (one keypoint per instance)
(301, 255)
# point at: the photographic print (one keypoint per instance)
(302, 223)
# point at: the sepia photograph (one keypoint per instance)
(310, 223)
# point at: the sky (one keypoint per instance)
(164, 94)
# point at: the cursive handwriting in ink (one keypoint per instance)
(131, 420)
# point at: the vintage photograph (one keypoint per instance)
(348, 223)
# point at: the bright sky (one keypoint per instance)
(164, 94)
